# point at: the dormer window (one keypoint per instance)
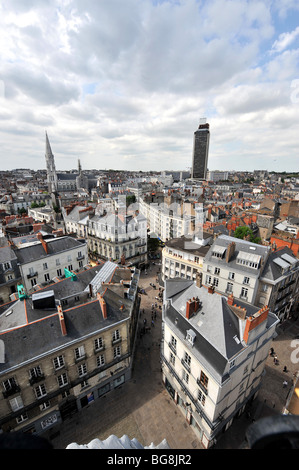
(190, 336)
(218, 251)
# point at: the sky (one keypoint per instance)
(123, 84)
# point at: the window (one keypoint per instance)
(79, 353)
(16, 403)
(229, 287)
(173, 343)
(22, 418)
(100, 360)
(116, 336)
(35, 372)
(40, 391)
(33, 282)
(185, 376)
(201, 397)
(98, 344)
(215, 282)
(116, 352)
(47, 277)
(57, 262)
(45, 266)
(244, 292)
(208, 280)
(231, 275)
(9, 384)
(62, 379)
(209, 268)
(58, 362)
(187, 359)
(246, 280)
(204, 380)
(172, 359)
(82, 370)
(70, 267)
(6, 266)
(59, 272)
(217, 271)
(44, 405)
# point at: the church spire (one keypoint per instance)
(51, 169)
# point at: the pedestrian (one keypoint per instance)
(153, 324)
(285, 383)
(285, 369)
(155, 314)
(271, 352)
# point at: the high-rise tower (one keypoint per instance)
(51, 169)
(201, 150)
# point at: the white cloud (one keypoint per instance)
(127, 82)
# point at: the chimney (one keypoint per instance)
(190, 308)
(199, 279)
(254, 321)
(211, 289)
(62, 320)
(43, 242)
(230, 299)
(103, 305)
(230, 251)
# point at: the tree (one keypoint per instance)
(246, 233)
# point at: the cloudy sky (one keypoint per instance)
(123, 84)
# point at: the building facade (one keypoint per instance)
(213, 354)
(279, 284)
(183, 257)
(66, 346)
(118, 237)
(234, 266)
(41, 263)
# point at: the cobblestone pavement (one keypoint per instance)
(143, 409)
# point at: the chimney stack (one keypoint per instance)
(62, 320)
(211, 289)
(103, 305)
(43, 242)
(230, 251)
(190, 308)
(230, 299)
(199, 279)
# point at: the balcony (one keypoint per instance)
(11, 391)
(31, 275)
(36, 378)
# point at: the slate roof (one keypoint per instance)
(215, 325)
(28, 332)
(32, 253)
(271, 270)
(241, 245)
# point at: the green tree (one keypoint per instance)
(246, 233)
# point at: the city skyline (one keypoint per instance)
(123, 86)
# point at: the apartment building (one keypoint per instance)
(183, 257)
(118, 237)
(66, 346)
(233, 266)
(41, 263)
(213, 354)
(279, 283)
(168, 220)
